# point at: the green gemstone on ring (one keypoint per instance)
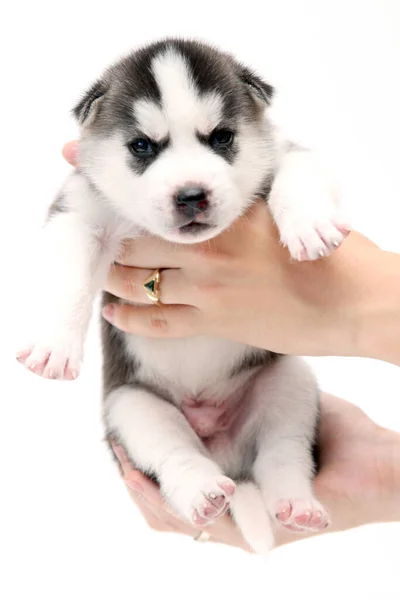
(151, 286)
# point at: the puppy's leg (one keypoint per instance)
(160, 441)
(284, 466)
(75, 263)
(304, 204)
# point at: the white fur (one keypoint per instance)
(148, 199)
(246, 503)
(304, 204)
(185, 110)
(82, 243)
(164, 362)
(151, 118)
(141, 418)
(282, 400)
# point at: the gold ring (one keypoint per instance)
(152, 286)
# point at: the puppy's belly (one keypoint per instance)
(226, 431)
(210, 420)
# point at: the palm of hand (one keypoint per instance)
(358, 471)
(356, 482)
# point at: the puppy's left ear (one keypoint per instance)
(87, 108)
(261, 91)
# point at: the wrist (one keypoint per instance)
(383, 506)
(391, 478)
(379, 319)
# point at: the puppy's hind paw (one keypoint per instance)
(299, 515)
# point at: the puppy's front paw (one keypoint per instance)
(52, 360)
(305, 204)
(212, 500)
(299, 515)
(310, 239)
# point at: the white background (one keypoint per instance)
(68, 529)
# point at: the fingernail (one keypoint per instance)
(134, 485)
(108, 312)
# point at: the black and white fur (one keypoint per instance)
(164, 399)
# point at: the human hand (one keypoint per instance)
(243, 286)
(359, 479)
(346, 304)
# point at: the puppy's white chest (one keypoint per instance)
(196, 366)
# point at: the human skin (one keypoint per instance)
(358, 483)
(347, 304)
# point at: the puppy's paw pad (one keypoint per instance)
(300, 515)
(213, 500)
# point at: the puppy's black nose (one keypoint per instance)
(191, 201)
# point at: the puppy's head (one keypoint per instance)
(175, 137)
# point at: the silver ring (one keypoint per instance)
(202, 536)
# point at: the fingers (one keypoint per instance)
(146, 495)
(170, 321)
(135, 480)
(149, 252)
(161, 518)
(147, 512)
(152, 252)
(127, 283)
(69, 152)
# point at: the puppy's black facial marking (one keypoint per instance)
(132, 79)
(222, 138)
(143, 147)
(145, 151)
(222, 142)
(213, 71)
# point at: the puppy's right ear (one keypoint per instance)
(86, 110)
(261, 91)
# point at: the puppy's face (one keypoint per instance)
(176, 138)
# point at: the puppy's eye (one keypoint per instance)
(221, 138)
(142, 147)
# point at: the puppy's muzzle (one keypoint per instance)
(191, 201)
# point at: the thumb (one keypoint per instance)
(69, 152)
